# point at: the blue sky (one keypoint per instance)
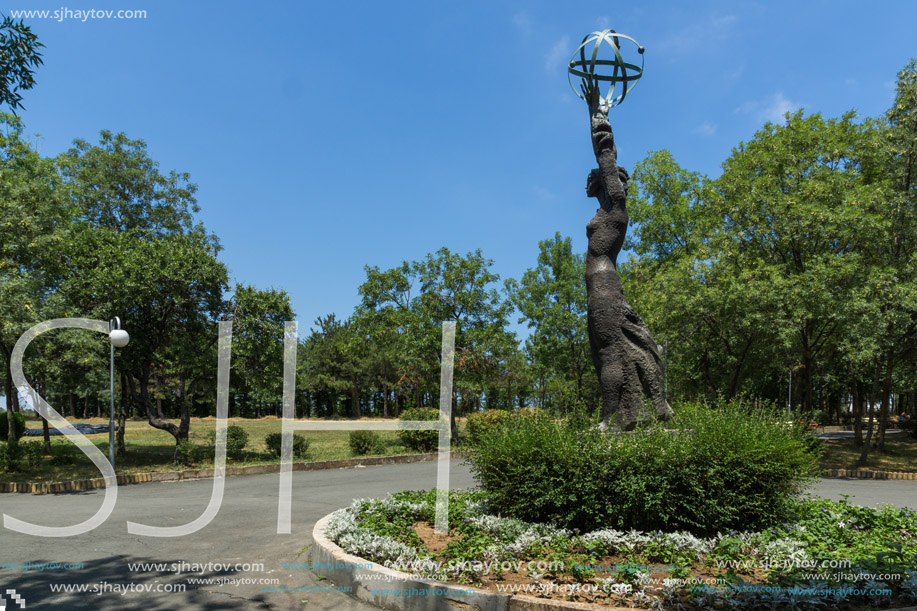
(325, 137)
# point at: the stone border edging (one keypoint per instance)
(192, 474)
(866, 474)
(339, 567)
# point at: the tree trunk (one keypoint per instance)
(355, 401)
(71, 406)
(857, 409)
(45, 431)
(886, 395)
(140, 392)
(864, 452)
(384, 402)
(159, 391)
(807, 367)
(11, 434)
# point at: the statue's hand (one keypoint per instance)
(590, 89)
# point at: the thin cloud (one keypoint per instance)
(603, 22)
(543, 193)
(523, 23)
(558, 55)
(706, 129)
(773, 108)
(699, 34)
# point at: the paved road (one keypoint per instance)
(243, 532)
(869, 492)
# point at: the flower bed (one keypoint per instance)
(832, 555)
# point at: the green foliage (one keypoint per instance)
(33, 453)
(365, 442)
(236, 440)
(718, 468)
(19, 57)
(274, 443)
(258, 318)
(10, 455)
(186, 452)
(61, 457)
(480, 423)
(18, 428)
(420, 441)
(552, 300)
(401, 314)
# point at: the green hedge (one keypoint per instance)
(365, 442)
(18, 427)
(731, 467)
(274, 443)
(420, 441)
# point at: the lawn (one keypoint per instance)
(900, 455)
(149, 449)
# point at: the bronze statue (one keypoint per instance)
(624, 353)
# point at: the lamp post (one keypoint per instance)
(118, 338)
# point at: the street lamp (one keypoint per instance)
(119, 339)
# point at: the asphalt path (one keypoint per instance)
(244, 532)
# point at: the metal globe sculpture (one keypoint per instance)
(612, 68)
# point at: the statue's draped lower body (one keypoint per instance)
(624, 353)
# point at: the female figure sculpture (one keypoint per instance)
(624, 353)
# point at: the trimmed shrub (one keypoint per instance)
(731, 467)
(420, 441)
(365, 442)
(19, 426)
(274, 443)
(236, 440)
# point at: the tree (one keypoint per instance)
(33, 225)
(168, 291)
(258, 318)
(405, 307)
(137, 254)
(692, 293)
(552, 300)
(889, 324)
(755, 268)
(19, 57)
(328, 364)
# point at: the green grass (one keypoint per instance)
(900, 455)
(149, 449)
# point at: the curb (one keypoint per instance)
(346, 570)
(866, 474)
(193, 474)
